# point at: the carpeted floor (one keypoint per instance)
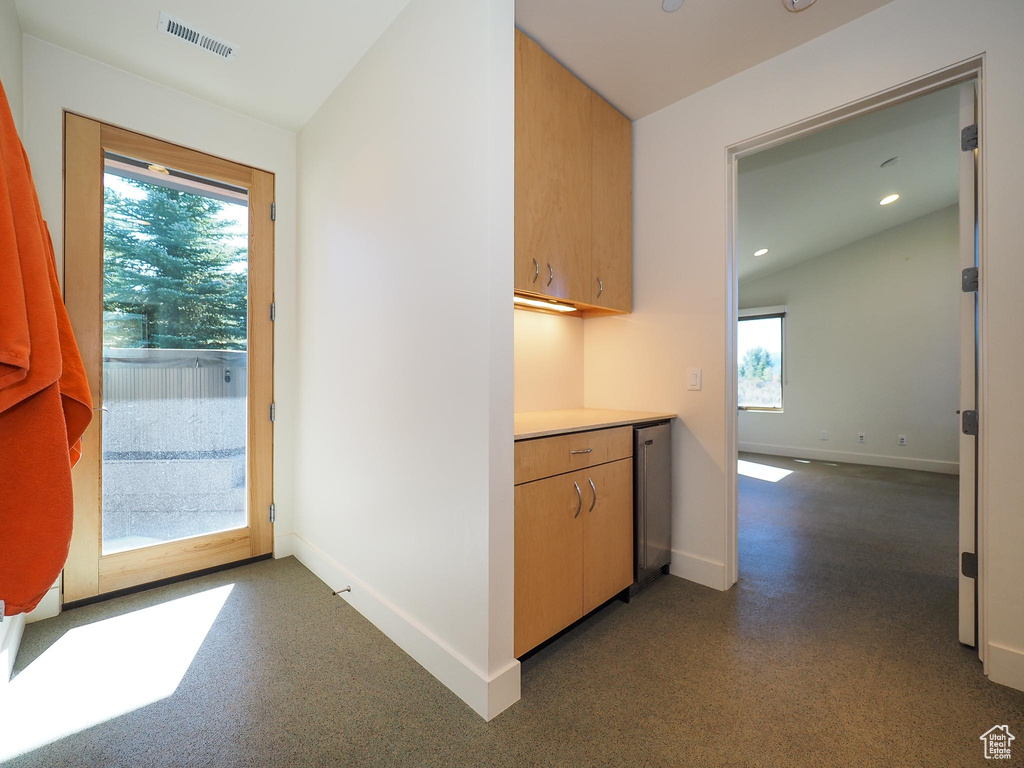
(838, 647)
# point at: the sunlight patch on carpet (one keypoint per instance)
(100, 671)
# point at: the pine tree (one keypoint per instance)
(757, 364)
(170, 259)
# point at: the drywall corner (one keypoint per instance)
(457, 673)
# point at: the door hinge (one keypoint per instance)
(273, 513)
(273, 211)
(273, 311)
(969, 280)
(273, 411)
(969, 422)
(969, 138)
(969, 564)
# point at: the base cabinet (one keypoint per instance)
(608, 533)
(573, 547)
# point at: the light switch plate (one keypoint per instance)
(693, 379)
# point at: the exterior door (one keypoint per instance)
(969, 554)
(168, 278)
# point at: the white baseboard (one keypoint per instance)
(47, 608)
(1005, 665)
(11, 630)
(848, 457)
(486, 696)
(284, 545)
(710, 573)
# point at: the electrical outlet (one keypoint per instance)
(823, 435)
(901, 439)
(860, 437)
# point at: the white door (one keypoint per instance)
(967, 567)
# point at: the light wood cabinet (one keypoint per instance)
(552, 176)
(611, 261)
(573, 188)
(535, 459)
(573, 530)
(608, 533)
(548, 558)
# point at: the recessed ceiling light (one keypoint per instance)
(890, 161)
(889, 199)
(671, 5)
(761, 252)
(797, 5)
(158, 169)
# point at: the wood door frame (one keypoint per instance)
(88, 572)
(961, 72)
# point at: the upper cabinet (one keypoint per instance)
(553, 176)
(573, 180)
(611, 238)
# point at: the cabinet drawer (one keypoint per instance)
(549, 456)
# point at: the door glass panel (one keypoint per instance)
(175, 286)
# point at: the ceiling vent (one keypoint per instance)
(197, 37)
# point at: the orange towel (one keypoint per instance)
(45, 404)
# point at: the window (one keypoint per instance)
(759, 351)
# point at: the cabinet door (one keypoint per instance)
(548, 558)
(552, 176)
(607, 532)
(611, 278)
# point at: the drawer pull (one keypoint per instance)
(594, 489)
(579, 503)
(573, 453)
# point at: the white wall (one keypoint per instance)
(404, 450)
(57, 79)
(680, 270)
(872, 345)
(548, 361)
(10, 57)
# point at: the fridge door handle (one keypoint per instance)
(643, 490)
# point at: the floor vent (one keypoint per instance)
(197, 37)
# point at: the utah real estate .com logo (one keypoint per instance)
(997, 742)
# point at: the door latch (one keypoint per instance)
(969, 422)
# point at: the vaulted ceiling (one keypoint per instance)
(821, 192)
(641, 58)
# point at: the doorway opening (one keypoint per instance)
(855, 334)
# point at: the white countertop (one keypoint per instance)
(546, 423)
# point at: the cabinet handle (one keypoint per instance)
(551, 274)
(536, 271)
(600, 287)
(573, 453)
(579, 504)
(594, 489)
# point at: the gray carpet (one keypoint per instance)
(837, 647)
